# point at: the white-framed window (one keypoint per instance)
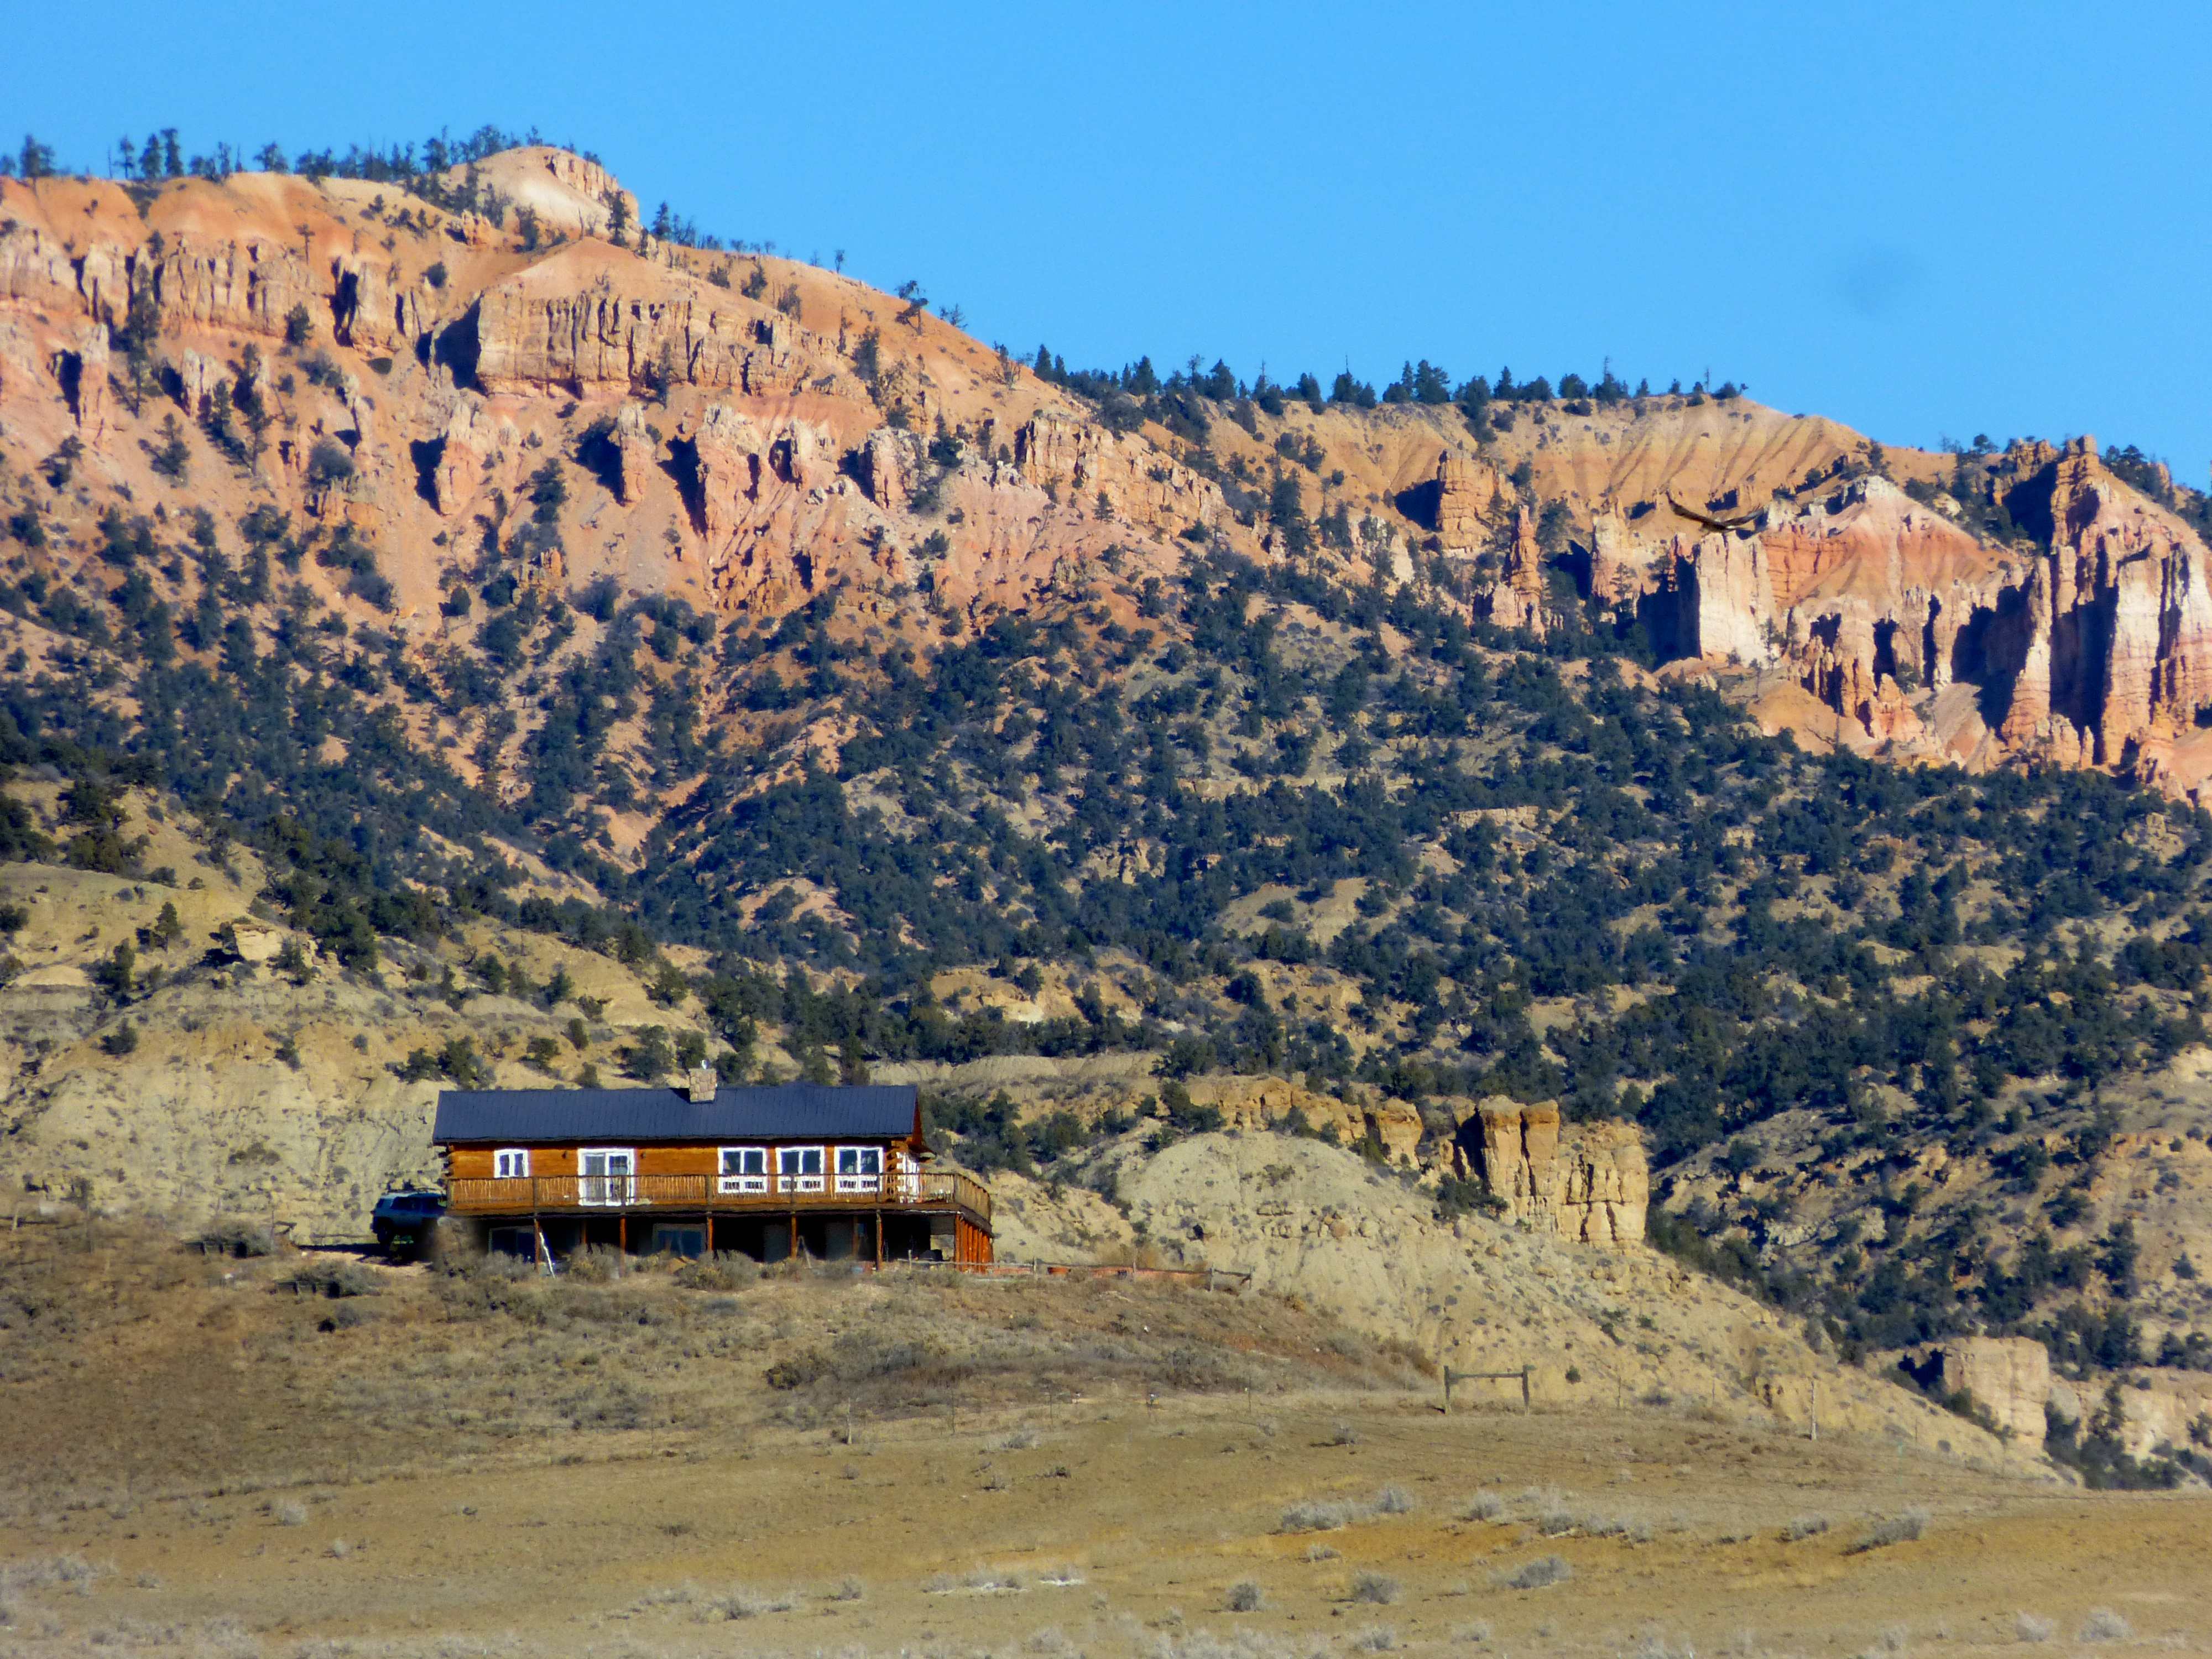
(511, 1163)
(799, 1169)
(860, 1169)
(606, 1175)
(744, 1170)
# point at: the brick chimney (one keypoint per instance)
(704, 1081)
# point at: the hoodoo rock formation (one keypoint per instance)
(468, 454)
(2114, 665)
(83, 372)
(1517, 600)
(1586, 1182)
(2092, 648)
(633, 454)
(1590, 1183)
(1471, 497)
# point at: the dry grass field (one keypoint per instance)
(196, 1457)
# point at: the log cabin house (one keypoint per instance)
(828, 1172)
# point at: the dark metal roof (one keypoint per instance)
(790, 1111)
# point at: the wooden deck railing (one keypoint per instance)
(940, 1187)
(934, 1190)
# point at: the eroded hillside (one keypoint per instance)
(570, 634)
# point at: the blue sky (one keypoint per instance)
(1923, 220)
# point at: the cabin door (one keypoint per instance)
(608, 1176)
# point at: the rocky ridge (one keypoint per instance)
(1799, 1205)
(764, 432)
(780, 469)
(250, 1075)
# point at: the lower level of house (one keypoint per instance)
(863, 1238)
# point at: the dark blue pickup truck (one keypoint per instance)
(404, 1222)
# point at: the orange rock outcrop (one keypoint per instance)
(755, 454)
(1472, 496)
(2097, 651)
(1588, 1182)
(751, 451)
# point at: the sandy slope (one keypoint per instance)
(1596, 1326)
